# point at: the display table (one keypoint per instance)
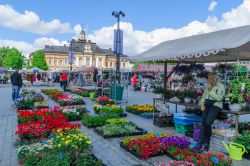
(191, 105)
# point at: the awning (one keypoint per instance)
(151, 68)
(220, 46)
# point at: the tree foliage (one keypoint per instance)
(3, 51)
(12, 58)
(38, 60)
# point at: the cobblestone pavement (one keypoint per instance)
(108, 150)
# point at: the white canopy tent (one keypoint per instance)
(220, 46)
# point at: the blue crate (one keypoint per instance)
(186, 120)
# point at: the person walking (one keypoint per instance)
(64, 78)
(211, 103)
(134, 81)
(17, 82)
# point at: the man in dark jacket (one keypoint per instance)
(16, 81)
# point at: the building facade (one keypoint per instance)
(86, 53)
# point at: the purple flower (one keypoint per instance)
(180, 141)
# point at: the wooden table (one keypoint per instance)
(191, 105)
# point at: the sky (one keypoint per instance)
(30, 25)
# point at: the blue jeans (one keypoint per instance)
(15, 92)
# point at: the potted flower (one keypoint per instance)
(235, 101)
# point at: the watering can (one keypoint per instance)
(235, 150)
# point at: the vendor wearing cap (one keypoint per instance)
(210, 104)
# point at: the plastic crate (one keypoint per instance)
(183, 114)
(180, 128)
(186, 120)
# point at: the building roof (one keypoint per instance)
(220, 46)
(78, 46)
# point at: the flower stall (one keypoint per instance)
(103, 100)
(176, 147)
(118, 127)
(62, 98)
(81, 91)
(110, 110)
(222, 46)
(143, 110)
(27, 99)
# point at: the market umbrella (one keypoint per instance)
(2, 70)
(35, 70)
(87, 69)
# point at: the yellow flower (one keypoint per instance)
(63, 139)
(88, 142)
(59, 145)
(80, 139)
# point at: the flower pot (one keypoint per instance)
(235, 107)
(187, 100)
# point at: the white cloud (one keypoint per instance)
(137, 41)
(27, 48)
(30, 22)
(77, 29)
(212, 6)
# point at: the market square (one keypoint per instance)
(122, 94)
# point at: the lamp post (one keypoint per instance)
(70, 55)
(118, 14)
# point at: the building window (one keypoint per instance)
(80, 62)
(55, 62)
(100, 62)
(87, 61)
(60, 62)
(50, 62)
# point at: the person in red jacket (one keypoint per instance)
(134, 80)
(64, 79)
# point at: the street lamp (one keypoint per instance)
(118, 14)
(70, 55)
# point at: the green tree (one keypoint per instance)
(13, 59)
(3, 51)
(38, 60)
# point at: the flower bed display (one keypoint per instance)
(105, 100)
(63, 99)
(74, 113)
(27, 99)
(138, 109)
(118, 128)
(68, 147)
(49, 92)
(109, 110)
(80, 91)
(191, 155)
(68, 99)
(38, 124)
(94, 121)
(143, 147)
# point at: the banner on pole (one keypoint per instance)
(118, 42)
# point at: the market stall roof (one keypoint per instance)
(220, 46)
(154, 68)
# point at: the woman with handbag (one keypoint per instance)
(211, 103)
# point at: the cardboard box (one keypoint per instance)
(41, 104)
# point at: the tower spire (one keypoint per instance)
(82, 35)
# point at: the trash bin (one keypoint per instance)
(117, 92)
